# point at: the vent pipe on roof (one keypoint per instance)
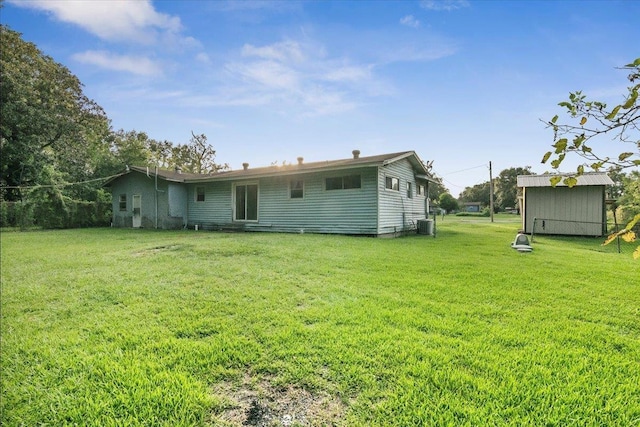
(356, 154)
(245, 166)
(300, 160)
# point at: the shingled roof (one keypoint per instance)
(260, 172)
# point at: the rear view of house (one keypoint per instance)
(578, 211)
(375, 195)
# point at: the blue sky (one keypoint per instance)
(460, 82)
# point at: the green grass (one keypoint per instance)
(120, 327)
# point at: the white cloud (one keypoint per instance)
(203, 57)
(299, 75)
(135, 65)
(123, 20)
(410, 21)
(283, 51)
(326, 102)
(267, 74)
(446, 5)
(350, 73)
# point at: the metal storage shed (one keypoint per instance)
(577, 211)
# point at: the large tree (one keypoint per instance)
(56, 143)
(447, 202)
(506, 187)
(629, 197)
(136, 148)
(48, 124)
(477, 193)
(197, 156)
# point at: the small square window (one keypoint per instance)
(199, 194)
(296, 189)
(392, 183)
(123, 202)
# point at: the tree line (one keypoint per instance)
(505, 192)
(57, 145)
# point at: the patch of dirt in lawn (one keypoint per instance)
(157, 249)
(260, 404)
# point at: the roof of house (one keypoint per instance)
(593, 178)
(300, 167)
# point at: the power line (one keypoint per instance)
(66, 184)
(451, 183)
(454, 172)
(468, 169)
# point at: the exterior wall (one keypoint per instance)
(578, 211)
(129, 185)
(215, 210)
(172, 208)
(139, 184)
(398, 212)
(368, 210)
(350, 211)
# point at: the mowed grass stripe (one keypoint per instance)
(135, 327)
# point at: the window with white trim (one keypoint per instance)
(199, 194)
(410, 190)
(420, 190)
(296, 189)
(392, 183)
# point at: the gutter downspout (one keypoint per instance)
(156, 197)
(185, 220)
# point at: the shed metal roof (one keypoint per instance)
(593, 178)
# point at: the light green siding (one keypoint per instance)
(215, 210)
(576, 211)
(398, 212)
(346, 197)
(350, 211)
(155, 205)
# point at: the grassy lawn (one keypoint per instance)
(117, 327)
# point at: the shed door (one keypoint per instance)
(137, 214)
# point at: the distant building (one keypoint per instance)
(472, 206)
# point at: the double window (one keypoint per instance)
(246, 202)
(343, 182)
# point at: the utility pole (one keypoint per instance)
(490, 192)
